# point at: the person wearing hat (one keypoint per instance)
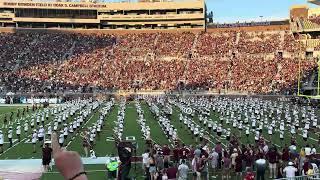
(32, 123)
(112, 168)
(233, 157)
(41, 134)
(38, 120)
(34, 140)
(10, 135)
(26, 127)
(49, 130)
(290, 170)
(61, 138)
(18, 131)
(65, 131)
(1, 142)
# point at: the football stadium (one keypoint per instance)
(157, 89)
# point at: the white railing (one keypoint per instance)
(310, 177)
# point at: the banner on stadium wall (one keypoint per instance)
(24, 100)
(42, 100)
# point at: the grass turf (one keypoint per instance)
(106, 148)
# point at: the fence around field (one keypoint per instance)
(310, 177)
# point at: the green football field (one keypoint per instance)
(104, 147)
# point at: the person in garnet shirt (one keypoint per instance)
(176, 158)
(46, 156)
(184, 152)
(285, 154)
(272, 157)
(166, 152)
(172, 171)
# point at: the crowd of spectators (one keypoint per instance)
(245, 161)
(218, 44)
(315, 19)
(50, 62)
(258, 42)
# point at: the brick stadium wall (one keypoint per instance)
(98, 31)
(126, 31)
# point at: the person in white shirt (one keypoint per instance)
(1, 142)
(32, 123)
(10, 136)
(257, 136)
(305, 134)
(70, 128)
(55, 126)
(41, 134)
(281, 133)
(26, 127)
(61, 138)
(307, 150)
(74, 125)
(290, 170)
(78, 123)
(49, 132)
(92, 136)
(196, 133)
(18, 132)
(314, 150)
(65, 131)
(93, 154)
(34, 140)
(98, 130)
(42, 120)
(38, 120)
(145, 160)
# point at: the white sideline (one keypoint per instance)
(35, 165)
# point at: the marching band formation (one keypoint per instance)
(226, 122)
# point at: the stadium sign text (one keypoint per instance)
(61, 5)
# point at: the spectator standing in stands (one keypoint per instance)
(261, 164)
(166, 152)
(196, 168)
(290, 170)
(226, 166)
(172, 172)
(183, 170)
(145, 162)
(272, 157)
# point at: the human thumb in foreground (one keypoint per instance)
(68, 163)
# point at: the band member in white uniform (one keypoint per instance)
(41, 134)
(34, 140)
(1, 142)
(18, 132)
(26, 127)
(10, 136)
(305, 134)
(61, 138)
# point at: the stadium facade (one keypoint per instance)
(111, 15)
